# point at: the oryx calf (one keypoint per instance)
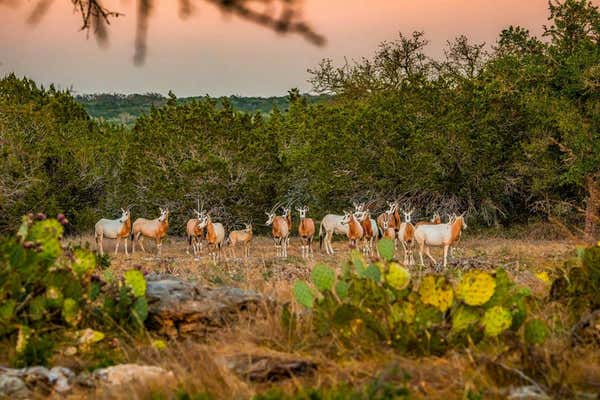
(355, 230)
(194, 234)
(244, 237)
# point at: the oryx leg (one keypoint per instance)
(428, 253)
(140, 239)
(99, 240)
(421, 246)
(117, 245)
(126, 253)
(158, 246)
(446, 255)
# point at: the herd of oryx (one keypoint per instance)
(357, 225)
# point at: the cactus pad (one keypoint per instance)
(303, 295)
(84, 262)
(536, 332)
(386, 249)
(70, 312)
(403, 312)
(372, 272)
(463, 318)
(341, 289)
(323, 277)
(436, 292)
(496, 320)
(398, 277)
(476, 288)
(135, 281)
(47, 233)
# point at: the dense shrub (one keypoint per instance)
(48, 289)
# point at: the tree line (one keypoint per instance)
(508, 132)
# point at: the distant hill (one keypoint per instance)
(126, 108)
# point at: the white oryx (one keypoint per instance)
(113, 229)
(331, 224)
(156, 228)
(441, 235)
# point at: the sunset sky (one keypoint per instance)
(209, 53)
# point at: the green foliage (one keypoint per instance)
(424, 320)
(135, 281)
(386, 248)
(323, 277)
(535, 332)
(47, 288)
(580, 284)
(303, 294)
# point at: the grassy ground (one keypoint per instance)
(200, 367)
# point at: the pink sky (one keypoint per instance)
(212, 54)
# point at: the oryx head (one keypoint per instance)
(358, 207)
(248, 227)
(436, 219)
(271, 217)
(302, 211)
(164, 214)
(124, 215)
(408, 215)
(203, 220)
(346, 218)
(286, 211)
(361, 215)
(392, 207)
(386, 221)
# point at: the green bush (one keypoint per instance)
(48, 287)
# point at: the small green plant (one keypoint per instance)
(47, 288)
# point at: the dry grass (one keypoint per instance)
(200, 367)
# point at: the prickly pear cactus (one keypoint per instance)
(52, 282)
(386, 249)
(372, 272)
(398, 277)
(535, 332)
(436, 292)
(476, 288)
(464, 318)
(496, 320)
(303, 294)
(135, 281)
(323, 277)
(341, 289)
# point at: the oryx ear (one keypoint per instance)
(268, 214)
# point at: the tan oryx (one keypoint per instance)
(113, 229)
(387, 231)
(393, 219)
(280, 230)
(355, 229)
(287, 214)
(406, 237)
(244, 237)
(442, 235)
(370, 231)
(194, 233)
(306, 231)
(215, 235)
(153, 228)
